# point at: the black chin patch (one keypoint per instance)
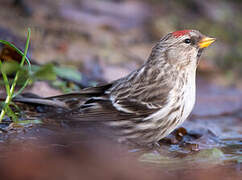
(199, 54)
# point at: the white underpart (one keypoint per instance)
(190, 93)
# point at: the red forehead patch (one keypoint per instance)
(180, 33)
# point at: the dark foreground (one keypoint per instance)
(208, 147)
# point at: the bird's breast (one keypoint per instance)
(189, 96)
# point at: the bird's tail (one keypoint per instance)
(56, 104)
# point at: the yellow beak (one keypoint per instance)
(206, 41)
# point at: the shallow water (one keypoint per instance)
(211, 140)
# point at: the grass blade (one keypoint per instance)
(11, 91)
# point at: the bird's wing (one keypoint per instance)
(141, 98)
(120, 105)
(103, 110)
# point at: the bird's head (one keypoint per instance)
(182, 49)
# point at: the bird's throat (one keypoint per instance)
(199, 55)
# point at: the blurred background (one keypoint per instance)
(106, 39)
(82, 43)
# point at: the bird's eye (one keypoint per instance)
(187, 41)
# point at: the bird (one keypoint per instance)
(147, 104)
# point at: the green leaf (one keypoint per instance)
(23, 76)
(10, 67)
(5, 80)
(45, 72)
(68, 73)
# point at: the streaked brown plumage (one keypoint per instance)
(150, 102)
